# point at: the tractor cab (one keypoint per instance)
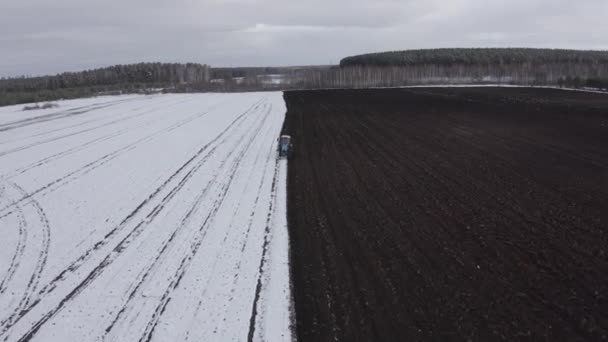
(285, 147)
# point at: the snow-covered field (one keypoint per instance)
(144, 218)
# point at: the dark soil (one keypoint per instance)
(449, 214)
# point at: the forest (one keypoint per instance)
(113, 79)
(525, 66)
(477, 56)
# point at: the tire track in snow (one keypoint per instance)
(258, 288)
(59, 115)
(74, 175)
(57, 156)
(48, 117)
(96, 141)
(183, 222)
(34, 281)
(19, 250)
(25, 196)
(68, 135)
(127, 240)
(243, 245)
(106, 137)
(192, 210)
(186, 261)
(47, 132)
(76, 264)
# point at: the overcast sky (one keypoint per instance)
(50, 36)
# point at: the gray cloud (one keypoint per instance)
(49, 36)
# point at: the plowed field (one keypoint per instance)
(449, 214)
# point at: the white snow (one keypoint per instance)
(497, 85)
(503, 85)
(144, 218)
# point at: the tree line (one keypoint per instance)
(566, 68)
(566, 75)
(117, 78)
(477, 56)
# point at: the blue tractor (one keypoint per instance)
(285, 147)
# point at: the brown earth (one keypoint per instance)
(449, 214)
